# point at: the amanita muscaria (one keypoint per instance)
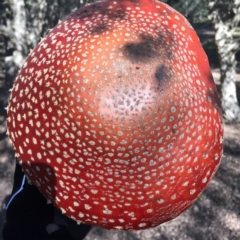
(115, 116)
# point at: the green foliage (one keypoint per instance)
(210, 45)
(211, 50)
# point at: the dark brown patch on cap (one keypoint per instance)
(149, 48)
(99, 28)
(161, 74)
(143, 51)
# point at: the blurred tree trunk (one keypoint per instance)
(225, 16)
(2, 76)
(193, 10)
(23, 27)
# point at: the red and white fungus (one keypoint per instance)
(115, 116)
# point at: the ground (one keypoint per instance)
(215, 216)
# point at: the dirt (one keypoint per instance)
(215, 215)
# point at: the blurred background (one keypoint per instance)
(216, 215)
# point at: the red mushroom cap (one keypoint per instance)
(115, 116)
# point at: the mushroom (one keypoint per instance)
(118, 105)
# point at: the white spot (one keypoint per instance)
(204, 180)
(142, 225)
(173, 197)
(120, 133)
(94, 191)
(63, 210)
(160, 201)
(92, 143)
(185, 183)
(87, 206)
(173, 109)
(118, 227)
(34, 140)
(192, 191)
(86, 196)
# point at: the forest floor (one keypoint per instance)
(215, 215)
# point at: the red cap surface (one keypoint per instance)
(115, 115)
